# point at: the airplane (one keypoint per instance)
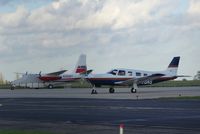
(51, 79)
(133, 78)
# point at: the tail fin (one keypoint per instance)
(81, 64)
(173, 66)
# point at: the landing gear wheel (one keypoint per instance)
(50, 86)
(94, 91)
(12, 88)
(133, 90)
(111, 90)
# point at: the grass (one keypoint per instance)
(22, 132)
(183, 97)
(4, 86)
(173, 83)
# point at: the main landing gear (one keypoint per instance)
(50, 86)
(12, 87)
(133, 90)
(111, 90)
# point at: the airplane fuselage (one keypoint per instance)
(117, 75)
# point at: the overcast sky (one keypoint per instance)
(49, 35)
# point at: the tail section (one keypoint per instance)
(81, 64)
(173, 66)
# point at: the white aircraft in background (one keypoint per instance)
(54, 78)
(133, 78)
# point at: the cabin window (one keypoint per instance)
(113, 72)
(138, 74)
(130, 73)
(145, 74)
(121, 72)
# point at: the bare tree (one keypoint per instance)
(17, 76)
(1, 78)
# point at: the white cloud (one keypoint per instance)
(114, 33)
(125, 14)
(194, 14)
(12, 20)
(194, 7)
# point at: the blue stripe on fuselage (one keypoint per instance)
(106, 81)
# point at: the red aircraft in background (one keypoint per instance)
(53, 78)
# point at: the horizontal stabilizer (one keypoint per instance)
(183, 76)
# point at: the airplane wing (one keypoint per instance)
(51, 76)
(57, 73)
(146, 79)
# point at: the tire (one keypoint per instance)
(111, 90)
(94, 91)
(50, 86)
(133, 90)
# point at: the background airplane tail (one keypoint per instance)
(173, 66)
(81, 64)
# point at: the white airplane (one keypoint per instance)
(52, 79)
(133, 78)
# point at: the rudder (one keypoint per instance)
(174, 63)
(173, 66)
(81, 64)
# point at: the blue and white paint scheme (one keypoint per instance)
(133, 78)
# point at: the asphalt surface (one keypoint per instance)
(120, 93)
(95, 116)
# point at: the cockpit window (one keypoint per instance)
(121, 72)
(113, 72)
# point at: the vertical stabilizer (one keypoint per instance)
(173, 66)
(81, 64)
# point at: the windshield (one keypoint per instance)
(113, 72)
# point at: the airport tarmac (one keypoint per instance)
(75, 110)
(120, 93)
(97, 116)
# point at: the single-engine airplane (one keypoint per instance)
(133, 78)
